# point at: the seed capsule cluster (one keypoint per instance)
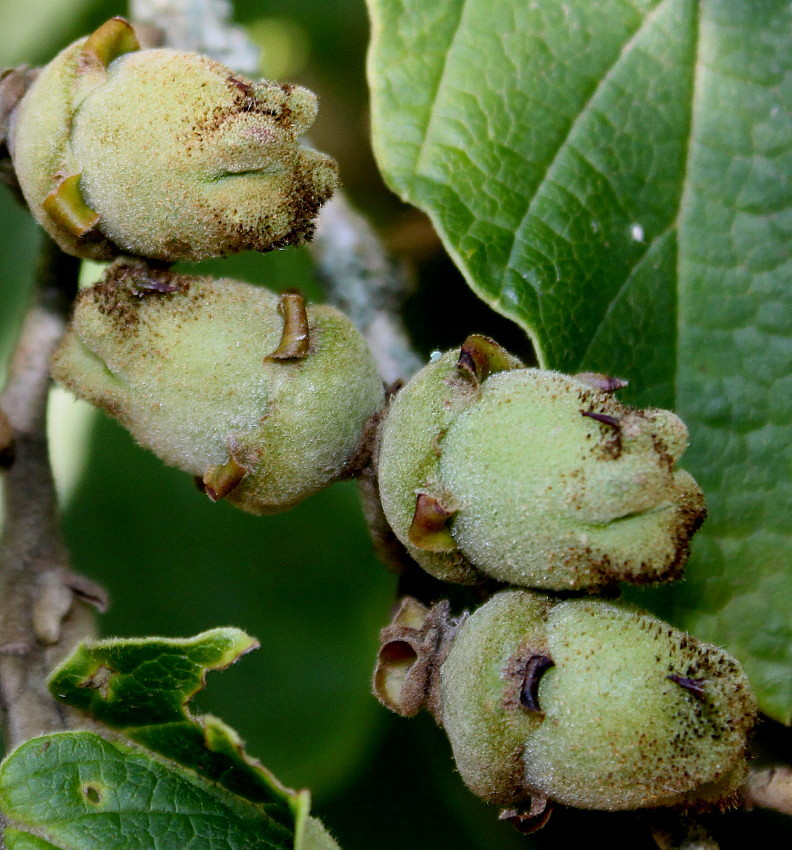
(487, 470)
(546, 481)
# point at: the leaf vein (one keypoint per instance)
(440, 81)
(582, 113)
(685, 182)
(628, 279)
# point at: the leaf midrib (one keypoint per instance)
(438, 88)
(573, 126)
(695, 91)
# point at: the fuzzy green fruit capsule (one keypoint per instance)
(587, 703)
(534, 478)
(204, 373)
(165, 154)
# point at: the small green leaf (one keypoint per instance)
(141, 687)
(144, 681)
(190, 778)
(79, 791)
(614, 176)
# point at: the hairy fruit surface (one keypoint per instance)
(261, 398)
(587, 703)
(532, 477)
(164, 154)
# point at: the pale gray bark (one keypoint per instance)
(202, 26)
(44, 607)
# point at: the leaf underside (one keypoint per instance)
(615, 177)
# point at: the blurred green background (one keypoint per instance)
(305, 583)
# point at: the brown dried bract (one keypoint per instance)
(531, 820)
(535, 667)
(603, 383)
(295, 342)
(219, 481)
(429, 529)
(413, 648)
(480, 356)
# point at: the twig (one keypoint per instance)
(41, 619)
(366, 284)
(202, 26)
(771, 788)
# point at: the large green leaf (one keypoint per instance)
(190, 784)
(615, 176)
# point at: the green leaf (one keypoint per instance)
(16, 840)
(79, 791)
(190, 780)
(615, 177)
(141, 687)
(144, 681)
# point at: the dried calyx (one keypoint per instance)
(165, 154)
(412, 650)
(532, 477)
(262, 398)
(583, 702)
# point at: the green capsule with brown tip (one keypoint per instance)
(611, 721)
(184, 363)
(165, 154)
(535, 478)
(582, 702)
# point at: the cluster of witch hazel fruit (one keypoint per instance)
(539, 484)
